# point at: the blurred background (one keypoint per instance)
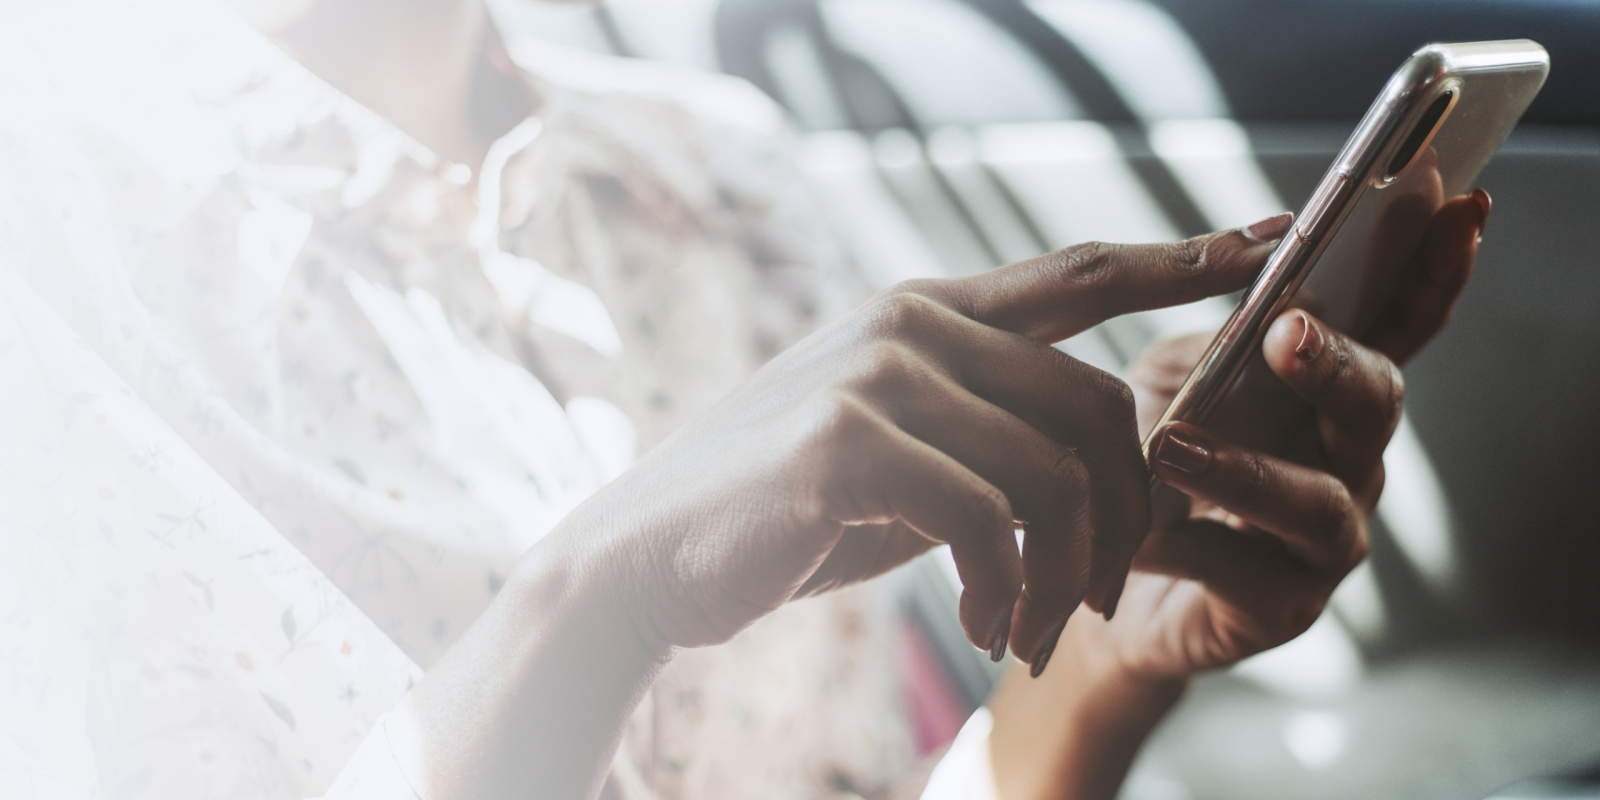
(948, 136)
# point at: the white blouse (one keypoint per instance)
(279, 407)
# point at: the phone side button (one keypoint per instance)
(1322, 208)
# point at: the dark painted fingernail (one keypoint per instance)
(1114, 598)
(1484, 201)
(1310, 345)
(1270, 229)
(1042, 658)
(997, 643)
(1182, 454)
(1487, 204)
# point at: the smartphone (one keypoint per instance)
(1434, 126)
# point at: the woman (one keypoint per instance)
(386, 417)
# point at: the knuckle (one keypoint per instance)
(890, 365)
(1395, 396)
(1250, 480)
(1368, 495)
(1185, 257)
(1072, 481)
(835, 417)
(1124, 405)
(1069, 470)
(1226, 647)
(1342, 526)
(1115, 397)
(1110, 417)
(901, 313)
(990, 508)
(921, 287)
(1118, 395)
(1336, 509)
(1299, 617)
(1083, 265)
(1360, 546)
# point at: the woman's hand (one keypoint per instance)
(1251, 560)
(1249, 554)
(1251, 557)
(936, 413)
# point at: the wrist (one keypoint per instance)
(1107, 694)
(1074, 731)
(1102, 657)
(537, 692)
(579, 581)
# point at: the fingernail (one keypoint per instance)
(1042, 659)
(1182, 454)
(1270, 229)
(1487, 204)
(997, 643)
(1484, 200)
(1310, 345)
(1114, 598)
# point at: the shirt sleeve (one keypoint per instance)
(160, 635)
(373, 773)
(965, 772)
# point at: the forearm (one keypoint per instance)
(1073, 732)
(532, 700)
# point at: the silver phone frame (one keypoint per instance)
(1429, 72)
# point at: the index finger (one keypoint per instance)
(1058, 295)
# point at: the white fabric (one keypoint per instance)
(158, 631)
(373, 773)
(267, 443)
(965, 772)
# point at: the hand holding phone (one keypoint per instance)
(1425, 139)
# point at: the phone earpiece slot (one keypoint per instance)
(1420, 135)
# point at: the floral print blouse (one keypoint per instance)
(283, 396)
